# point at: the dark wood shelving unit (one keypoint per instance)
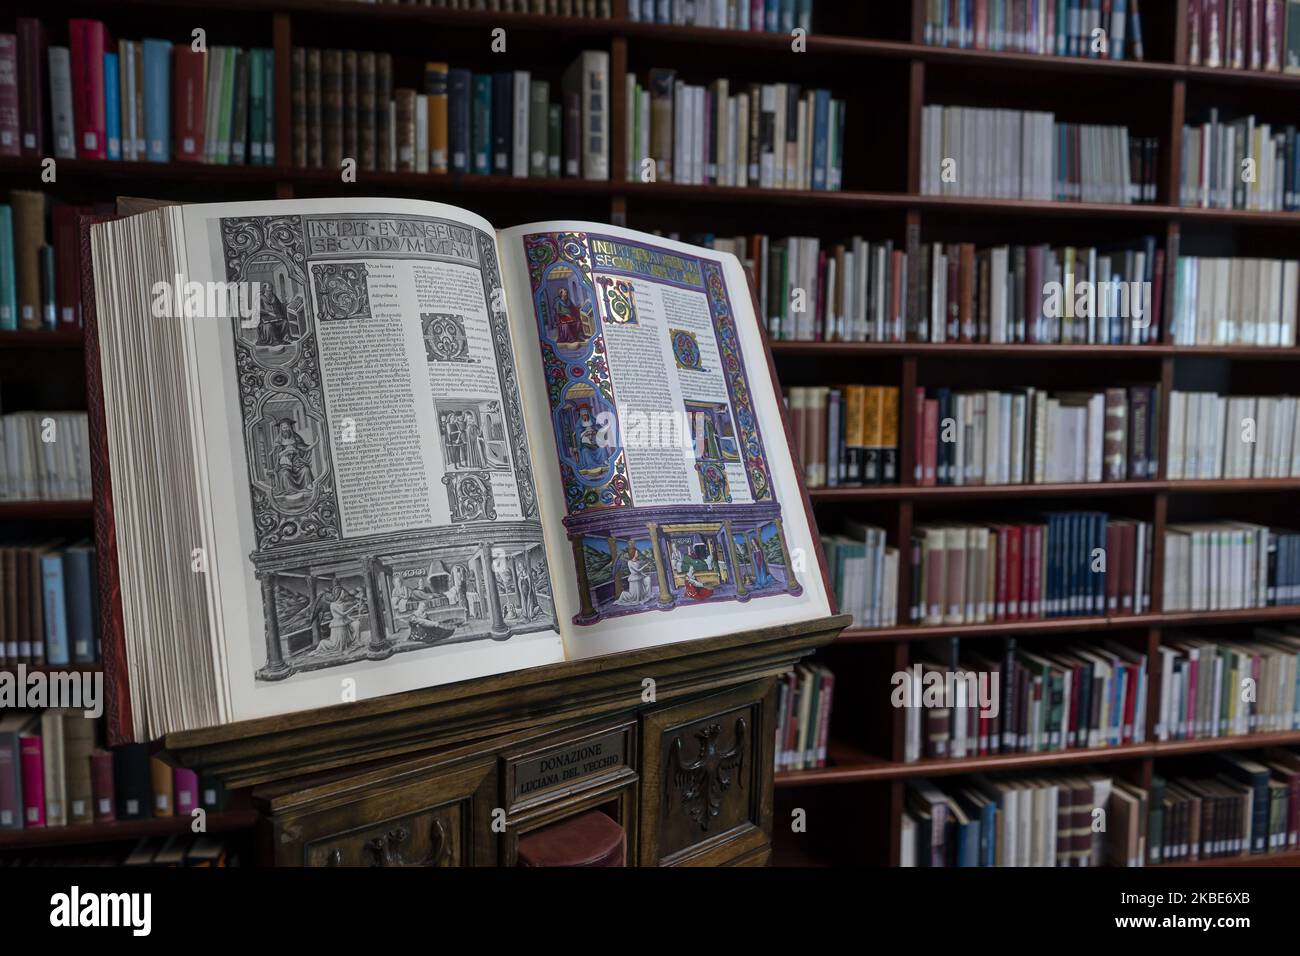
(881, 201)
(115, 830)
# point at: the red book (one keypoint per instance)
(67, 263)
(88, 40)
(981, 24)
(1035, 572)
(185, 791)
(10, 126)
(31, 761)
(189, 73)
(1001, 533)
(931, 442)
(1014, 573)
(31, 85)
(101, 783)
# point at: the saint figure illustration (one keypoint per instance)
(640, 568)
(272, 318)
(290, 459)
(591, 457)
(568, 321)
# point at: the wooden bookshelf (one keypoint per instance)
(121, 830)
(881, 199)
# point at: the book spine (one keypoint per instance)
(436, 85)
(157, 55)
(10, 124)
(61, 115)
(189, 103)
(31, 769)
(112, 108)
(32, 61)
(88, 40)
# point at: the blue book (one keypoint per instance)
(8, 276)
(772, 16)
(56, 616)
(787, 16)
(482, 124)
(157, 100)
(1118, 15)
(268, 92)
(804, 15)
(79, 592)
(821, 137)
(112, 107)
(458, 119)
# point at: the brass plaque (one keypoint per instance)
(568, 765)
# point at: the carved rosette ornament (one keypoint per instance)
(701, 783)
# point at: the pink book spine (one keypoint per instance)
(32, 766)
(185, 788)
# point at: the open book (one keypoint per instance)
(363, 446)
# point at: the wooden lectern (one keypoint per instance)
(674, 744)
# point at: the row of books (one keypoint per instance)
(1240, 302)
(1244, 34)
(770, 16)
(1044, 820)
(345, 106)
(1239, 164)
(1234, 436)
(863, 571)
(1012, 294)
(53, 775)
(594, 9)
(179, 849)
(1229, 688)
(48, 603)
(803, 716)
(845, 436)
(1110, 31)
(1230, 565)
(1241, 805)
(142, 100)
(1023, 154)
(1245, 805)
(44, 456)
(40, 263)
(1067, 564)
(850, 291)
(974, 705)
(1035, 436)
(769, 136)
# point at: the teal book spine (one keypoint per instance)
(112, 107)
(482, 123)
(49, 294)
(56, 616)
(256, 107)
(268, 91)
(157, 100)
(8, 278)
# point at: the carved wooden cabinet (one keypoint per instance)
(458, 775)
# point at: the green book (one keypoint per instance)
(554, 139)
(8, 278)
(225, 105)
(256, 106)
(539, 118)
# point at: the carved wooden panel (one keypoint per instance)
(432, 838)
(426, 814)
(707, 778)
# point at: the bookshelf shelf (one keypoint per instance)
(852, 766)
(1280, 858)
(44, 510)
(91, 833)
(1096, 489)
(27, 341)
(53, 668)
